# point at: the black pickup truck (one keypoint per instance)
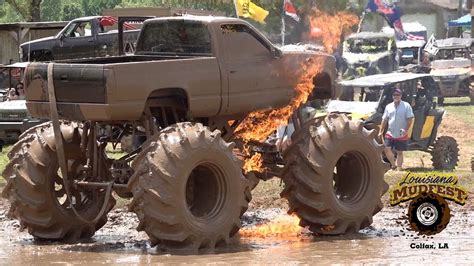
(81, 38)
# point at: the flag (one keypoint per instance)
(247, 9)
(393, 16)
(378, 6)
(290, 10)
(413, 37)
(107, 21)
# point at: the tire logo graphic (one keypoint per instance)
(428, 192)
(428, 214)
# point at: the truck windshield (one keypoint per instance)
(175, 37)
(371, 46)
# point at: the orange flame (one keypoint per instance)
(283, 226)
(330, 28)
(255, 164)
(257, 126)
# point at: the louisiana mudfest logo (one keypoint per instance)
(428, 211)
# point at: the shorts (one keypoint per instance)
(399, 145)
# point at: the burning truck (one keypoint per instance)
(200, 88)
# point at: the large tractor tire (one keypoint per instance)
(445, 153)
(334, 175)
(188, 188)
(36, 189)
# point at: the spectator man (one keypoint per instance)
(397, 120)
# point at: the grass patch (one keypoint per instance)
(461, 108)
(3, 162)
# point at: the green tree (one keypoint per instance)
(29, 10)
(51, 10)
(71, 11)
(95, 7)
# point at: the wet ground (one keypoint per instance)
(388, 240)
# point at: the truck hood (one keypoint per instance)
(15, 105)
(352, 58)
(26, 44)
(362, 109)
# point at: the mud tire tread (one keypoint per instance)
(309, 184)
(439, 152)
(27, 186)
(160, 169)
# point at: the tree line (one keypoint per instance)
(65, 10)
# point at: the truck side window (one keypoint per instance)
(241, 42)
(79, 29)
(176, 37)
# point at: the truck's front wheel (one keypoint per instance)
(334, 175)
(188, 188)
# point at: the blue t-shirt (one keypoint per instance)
(397, 118)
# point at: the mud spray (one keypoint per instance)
(327, 30)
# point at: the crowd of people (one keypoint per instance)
(17, 93)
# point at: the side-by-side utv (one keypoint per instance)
(375, 92)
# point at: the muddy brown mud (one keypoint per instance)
(388, 240)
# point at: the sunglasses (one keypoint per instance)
(396, 94)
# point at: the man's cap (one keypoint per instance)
(397, 91)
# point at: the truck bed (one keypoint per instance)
(117, 88)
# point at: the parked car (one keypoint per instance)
(14, 116)
(81, 38)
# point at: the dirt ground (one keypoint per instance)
(387, 240)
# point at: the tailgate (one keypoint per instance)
(76, 83)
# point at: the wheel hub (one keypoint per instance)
(205, 191)
(427, 214)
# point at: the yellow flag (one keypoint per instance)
(247, 9)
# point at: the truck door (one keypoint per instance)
(78, 41)
(253, 77)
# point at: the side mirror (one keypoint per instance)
(277, 53)
(62, 37)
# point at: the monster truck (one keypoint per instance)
(81, 38)
(189, 85)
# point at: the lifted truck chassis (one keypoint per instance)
(187, 185)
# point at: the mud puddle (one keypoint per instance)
(387, 241)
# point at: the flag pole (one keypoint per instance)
(361, 21)
(236, 8)
(283, 28)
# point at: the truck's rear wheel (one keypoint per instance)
(188, 188)
(36, 190)
(334, 175)
(445, 153)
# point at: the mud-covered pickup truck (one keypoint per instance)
(202, 66)
(191, 84)
(81, 38)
